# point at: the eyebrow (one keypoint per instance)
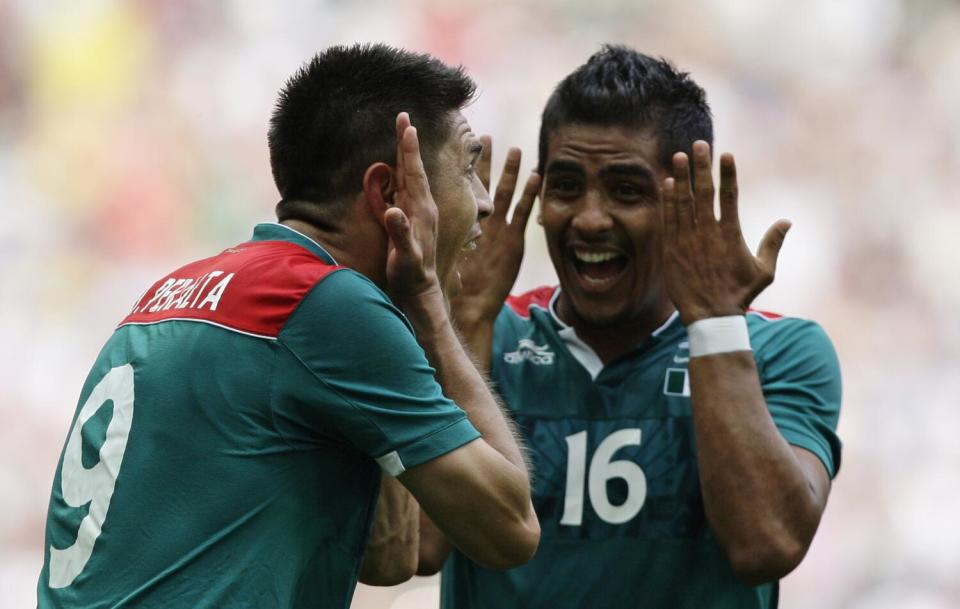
(562, 165)
(634, 170)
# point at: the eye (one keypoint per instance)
(474, 153)
(564, 187)
(629, 191)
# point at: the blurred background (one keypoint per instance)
(133, 139)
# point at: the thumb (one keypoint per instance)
(771, 243)
(398, 228)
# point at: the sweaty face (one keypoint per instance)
(600, 210)
(460, 196)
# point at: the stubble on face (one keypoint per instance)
(460, 197)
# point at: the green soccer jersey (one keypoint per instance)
(228, 443)
(615, 478)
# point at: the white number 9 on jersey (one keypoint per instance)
(94, 485)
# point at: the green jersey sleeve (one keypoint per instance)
(800, 378)
(358, 375)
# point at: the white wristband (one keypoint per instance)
(718, 335)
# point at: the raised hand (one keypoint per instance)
(487, 274)
(708, 269)
(411, 223)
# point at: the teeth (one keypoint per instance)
(470, 246)
(594, 257)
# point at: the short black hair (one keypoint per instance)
(621, 87)
(337, 115)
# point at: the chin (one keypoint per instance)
(599, 314)
(600, 319)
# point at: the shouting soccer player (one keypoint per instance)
(228, 443)
(682, 444)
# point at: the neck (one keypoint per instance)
(358, 245)
(611, 340)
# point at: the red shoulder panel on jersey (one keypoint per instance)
(766, 314)
(539, 297)
(251, 288)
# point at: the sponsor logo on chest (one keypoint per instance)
(529, 351)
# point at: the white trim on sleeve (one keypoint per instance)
(391, 464)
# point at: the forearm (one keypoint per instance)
(756, 493)
(391, 555)
(506, 487)
(434, 546)
(461, 381)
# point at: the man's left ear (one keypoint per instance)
(379, 188)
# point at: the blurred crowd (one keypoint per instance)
(133, 139)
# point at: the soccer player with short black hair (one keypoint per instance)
(682, 445)
(228, 443)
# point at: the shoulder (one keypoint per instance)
(522, 313)
(253, 288)
(348, 286)
(522, 305)
(347, 322)
(775, 331)
(792, 346)
(347, 299)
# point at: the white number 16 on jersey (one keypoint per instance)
(95, 485)
(601, 470)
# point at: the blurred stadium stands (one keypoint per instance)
(133, 138)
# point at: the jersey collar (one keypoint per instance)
(580, 350)
(273, 231)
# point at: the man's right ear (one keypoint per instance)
(379, 189)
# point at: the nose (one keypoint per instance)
(592, 216)
(484, 203)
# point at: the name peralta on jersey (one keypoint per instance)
(225, 447)
(615, 476)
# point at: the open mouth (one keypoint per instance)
(598, 270)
